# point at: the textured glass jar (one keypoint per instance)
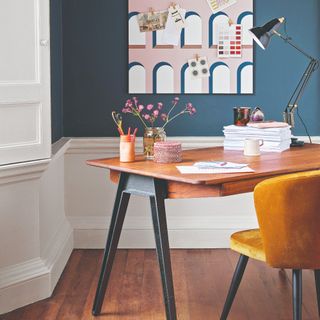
(152, 135)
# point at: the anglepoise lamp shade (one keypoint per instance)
(262, 35)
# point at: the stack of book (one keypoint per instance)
(276, 139)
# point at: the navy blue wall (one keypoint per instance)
(56, 69)
(95, 70)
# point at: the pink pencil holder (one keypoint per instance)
(167, 152)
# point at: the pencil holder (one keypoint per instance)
(127, 148)
(167, 152)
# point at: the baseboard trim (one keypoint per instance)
(57, 254)
(144, 239)
(184, 232)
(34, 280)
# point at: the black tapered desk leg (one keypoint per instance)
(118, 215)
(317, 281)
(163, 250)
(297, 293)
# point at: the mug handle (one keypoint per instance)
(261, 142)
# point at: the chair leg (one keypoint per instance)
(241, 266)
(317, 280)
(297, 293)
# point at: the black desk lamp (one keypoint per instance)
(262, 35)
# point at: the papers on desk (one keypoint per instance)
(276, 139)
(219, 165)
(214, 167)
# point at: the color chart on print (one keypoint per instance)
(230, 41)
(166, 41)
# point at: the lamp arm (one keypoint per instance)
(289, 41)
(297, 94)
(310, 70)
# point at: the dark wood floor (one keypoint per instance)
(201, 281)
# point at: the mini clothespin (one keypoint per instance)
(151, 10)
(173, 5)
(197, 57)
(230, 22)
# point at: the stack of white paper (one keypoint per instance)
(275, 139)
(214, 167)
(195, 170)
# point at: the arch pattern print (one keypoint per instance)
(137, 78)
(220, 78)
(246, 21)
(163, 78)
(157, 40)
(245, 78)
(191, 35)
(136, 38)
(216, 19)
(158, 59)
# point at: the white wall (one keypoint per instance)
(192, 223)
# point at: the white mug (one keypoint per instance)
(252, 147)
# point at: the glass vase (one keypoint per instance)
(152, 135)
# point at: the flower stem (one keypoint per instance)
(176, 116)
(137, 114)
(173, 106)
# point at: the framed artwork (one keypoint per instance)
(200, 47)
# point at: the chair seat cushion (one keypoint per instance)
(248, 243)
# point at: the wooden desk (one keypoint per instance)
(163, 181)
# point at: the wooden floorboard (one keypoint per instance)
(201, 281)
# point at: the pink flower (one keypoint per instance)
(146, 116)
(126, 110)
(149, 107)
(176, 99)
(140, 107)
(156, 113)
(164, 117)
(190, 109)
(160, 105)
(128, 104)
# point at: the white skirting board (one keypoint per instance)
(34, 280)
(184, 232)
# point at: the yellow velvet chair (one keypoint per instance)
(288, 211)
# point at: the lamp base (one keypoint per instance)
(296, 143)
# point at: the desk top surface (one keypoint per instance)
(267, 165)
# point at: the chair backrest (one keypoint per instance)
(288, 210)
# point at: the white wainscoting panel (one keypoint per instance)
(36, 238)
(192, 223)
